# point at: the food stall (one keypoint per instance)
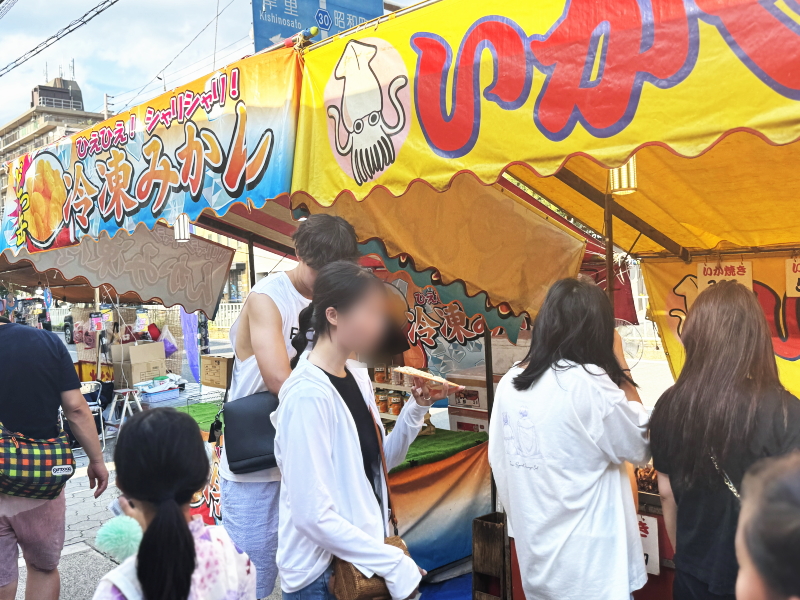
(669, 130)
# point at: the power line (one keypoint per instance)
(178, 54)
(6, 6)
(184, 68)
(187, 76)
(76, 24)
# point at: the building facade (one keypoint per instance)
(56, 110)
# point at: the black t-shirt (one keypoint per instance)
(707, 515)
(365, 426)
(35, 367)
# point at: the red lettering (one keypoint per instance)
(598, 57)
(455, 134)
(768, 37)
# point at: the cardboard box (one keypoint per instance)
(465, 419)
(134, 363)
(216, 371)
(474, 396)
(139, 352)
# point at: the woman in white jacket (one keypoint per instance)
(334, 496)
(563, 424)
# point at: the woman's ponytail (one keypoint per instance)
(166, 558)
(161, 460)
(300, 339)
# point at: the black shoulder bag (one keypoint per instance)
(249, 433)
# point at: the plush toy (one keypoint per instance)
(119, 537)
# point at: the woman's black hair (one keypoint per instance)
(340, 285)
(771, 522)
(161, 458)
(575, 323)
(730, 368)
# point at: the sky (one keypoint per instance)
(120, 50)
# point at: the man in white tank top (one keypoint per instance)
(262, 342)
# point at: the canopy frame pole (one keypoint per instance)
(608, 220)
(487, 357)
(590, 192)
(97, 341)
(251, 260)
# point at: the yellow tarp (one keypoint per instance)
(672, 286)
(473, 233)
(743, 191)
(469, 85)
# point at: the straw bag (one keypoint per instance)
(350, 583)
(32, 468)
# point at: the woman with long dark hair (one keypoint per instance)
(726, 410)
(334, 494)
(563, 424)
(161, 463)
(768, 536)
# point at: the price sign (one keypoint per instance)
(792, 278)
(648, 529)
(714, 272)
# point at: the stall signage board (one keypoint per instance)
(792, 278)
(648, 529)
(714, 272)
(276, 20)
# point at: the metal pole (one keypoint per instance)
(608, 219)
(487, 356)
(251, 257)
(97, 333)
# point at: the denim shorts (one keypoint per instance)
(316, 590)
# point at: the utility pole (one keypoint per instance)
(105, 106)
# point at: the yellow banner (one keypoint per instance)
(673, 287)
(469, 85)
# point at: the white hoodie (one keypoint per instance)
(557, 452)
(327, 505)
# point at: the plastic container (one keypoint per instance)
(395, 404)
(382, 400)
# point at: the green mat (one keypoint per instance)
(424, 450)
(204, 414)
(428, 449)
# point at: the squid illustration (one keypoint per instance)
(369, 136)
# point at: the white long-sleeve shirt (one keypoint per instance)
(327, 506)
(557, 452)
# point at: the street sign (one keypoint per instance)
(276, 20)
(323, 19)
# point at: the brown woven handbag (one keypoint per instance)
(351, 584)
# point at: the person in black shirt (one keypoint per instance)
(36, 378)
(325, 403)
(726, 410)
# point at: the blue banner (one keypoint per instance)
(276, 20)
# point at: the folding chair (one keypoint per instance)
(91, 392)
(93, 388)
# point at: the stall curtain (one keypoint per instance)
(473, 233)
(436, 504)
